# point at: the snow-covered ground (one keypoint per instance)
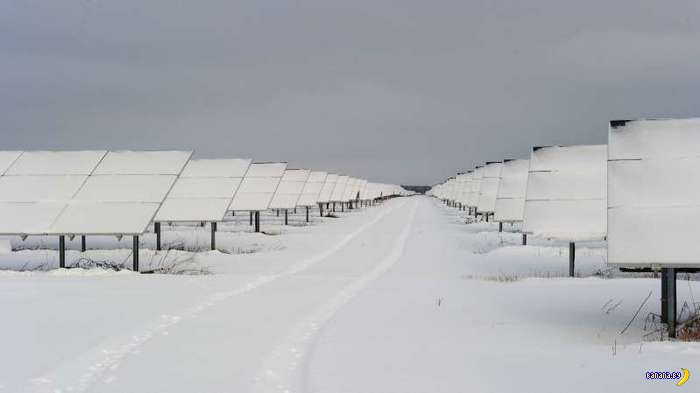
(403, 297)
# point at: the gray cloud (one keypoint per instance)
(397, 91)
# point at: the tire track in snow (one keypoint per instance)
(79, 374)
(286, 369)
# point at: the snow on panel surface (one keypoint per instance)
(39, 188)
(350, 189)
(475, 186)
(312, 189)
(289, 189)
(102, 218)
(654, 187)
(566, 193)
(510, 201)
(126, 188)
(191, 209)
(28, 218)
(218, 167)
(328, 187)
(204, 191)
(56, 163)
(488, 189)
(7, 157)
(258, 187)
(143, 163)
(339, 190)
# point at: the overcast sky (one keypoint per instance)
(396, 91)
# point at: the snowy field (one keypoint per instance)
(403, 297)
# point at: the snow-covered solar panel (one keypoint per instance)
(7, 158)
(566, 193)
(361, 189)
(258, 186)
(56, 163)
(488, 188)
(123, 194)
(339, 190)
(38, 188)
(143, 163)
(30, 218)
(654, 193)
(204, 190)
(328, 187)
(312, 189)
(351, 189)
(290, 188)
(510, 202)
(475, 186)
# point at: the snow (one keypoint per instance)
(312, 189)
(143, 163)
(338, 193)
(402, 297)
(566, 193)
(56, 163)
(328, 186)
(290, 188)
(510, 199)
(653, 192)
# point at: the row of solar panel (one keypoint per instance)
(121, 192)
(641, 192)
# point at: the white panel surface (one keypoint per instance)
(217, 167)
(28, 218)
(258, 187)
(56, 162)
(510, 201)
(7, 158)
(290, 188)
(39, 188)
(654, 191)
(566, 193)
(488, 189)
(193, 210)
(328, 187)
(339, 190)
(475, 186)
(204, 190)
(143, 163)
(312, 189)
(350, 189)
(125, 188)
(104, 218)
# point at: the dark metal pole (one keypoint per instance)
(524, 239)
(213, 235)
(342, 206)
(83, 245)
(320, 209)
(307, 214)
(135, 255)
(278, 212)
(257, 221)
(671, 301)
(664, 295)
(333, 207)
(286, 217)
(572, 258)
(156, 229)
(500, 227)
(251, 219)
(61, 251)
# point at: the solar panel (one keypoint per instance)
(475, 188)
(361, 189)
(7, 158)
(654, 193)
(312, 189)
(204, 190)
(122, 195)
(258, 187)
(566, 193)
(289, 190)
(488, 188)
(510, 201)
(56, 163)
(350, 189)
(338, 194)
(328, 187)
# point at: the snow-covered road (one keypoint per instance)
(399, 298)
